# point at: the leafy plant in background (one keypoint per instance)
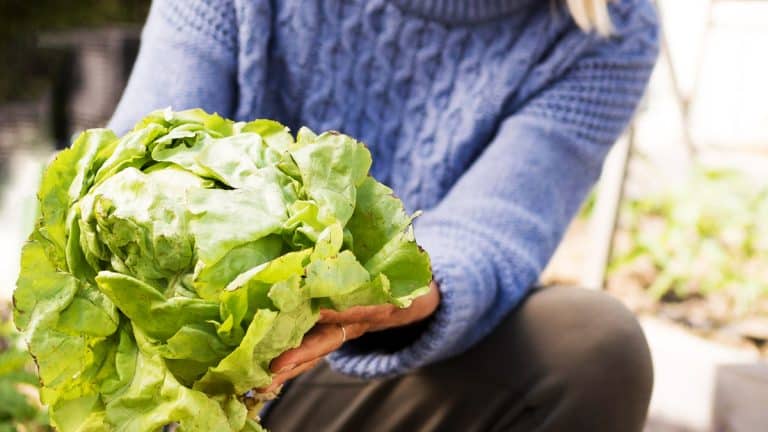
(708, 235)
(170, 266)
(29, 69)
(19, 407)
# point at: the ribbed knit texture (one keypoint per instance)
(492, 116)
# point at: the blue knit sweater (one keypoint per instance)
(492, 116)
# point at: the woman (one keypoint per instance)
(492, 116)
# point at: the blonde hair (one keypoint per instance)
(591, 15)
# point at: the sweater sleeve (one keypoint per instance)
(493, 233)
(187, 59)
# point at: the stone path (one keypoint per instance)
(697, 380)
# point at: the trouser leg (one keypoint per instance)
(567, 359)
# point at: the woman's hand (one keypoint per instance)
(335, 328)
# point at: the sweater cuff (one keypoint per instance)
(466, 292)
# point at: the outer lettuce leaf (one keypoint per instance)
(119, 366)
(210, 280)
(377, 291)
(131, 151)
(159, 317)
(155, 398)
(328, 243)
(237, 160)
(64, 181)
(82, 414)
(406, 266)
(42, 291)
(217, 216)
(89, 313)
(384, 242)
(288, 295)
(181, 147)
(238, 372)
(168, 118)
(77, 262)
(269, 334)
(379, 216)
(335, 275)
(275, 135)
(196, 342)
(251, 291)
(94, 146)
(48, 306)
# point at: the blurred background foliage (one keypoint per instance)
(704, 239)
(711, 223)
(23, 22)
(20, 409)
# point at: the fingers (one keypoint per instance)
(385, 316)
(317, 343)
(424, 306)
(280, 379)
(358, 314)
(321, 340)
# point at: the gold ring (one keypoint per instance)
(343, 333)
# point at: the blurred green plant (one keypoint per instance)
(24, 16)
(29, 67)
(707, 235)
(20, 410)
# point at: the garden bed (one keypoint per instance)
(693, 253)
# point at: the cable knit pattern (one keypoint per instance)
(492, 116)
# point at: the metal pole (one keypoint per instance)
(605, 215)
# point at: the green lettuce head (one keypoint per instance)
(171, 265)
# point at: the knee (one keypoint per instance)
(578, 355)
(605, 359)
(587, 339)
